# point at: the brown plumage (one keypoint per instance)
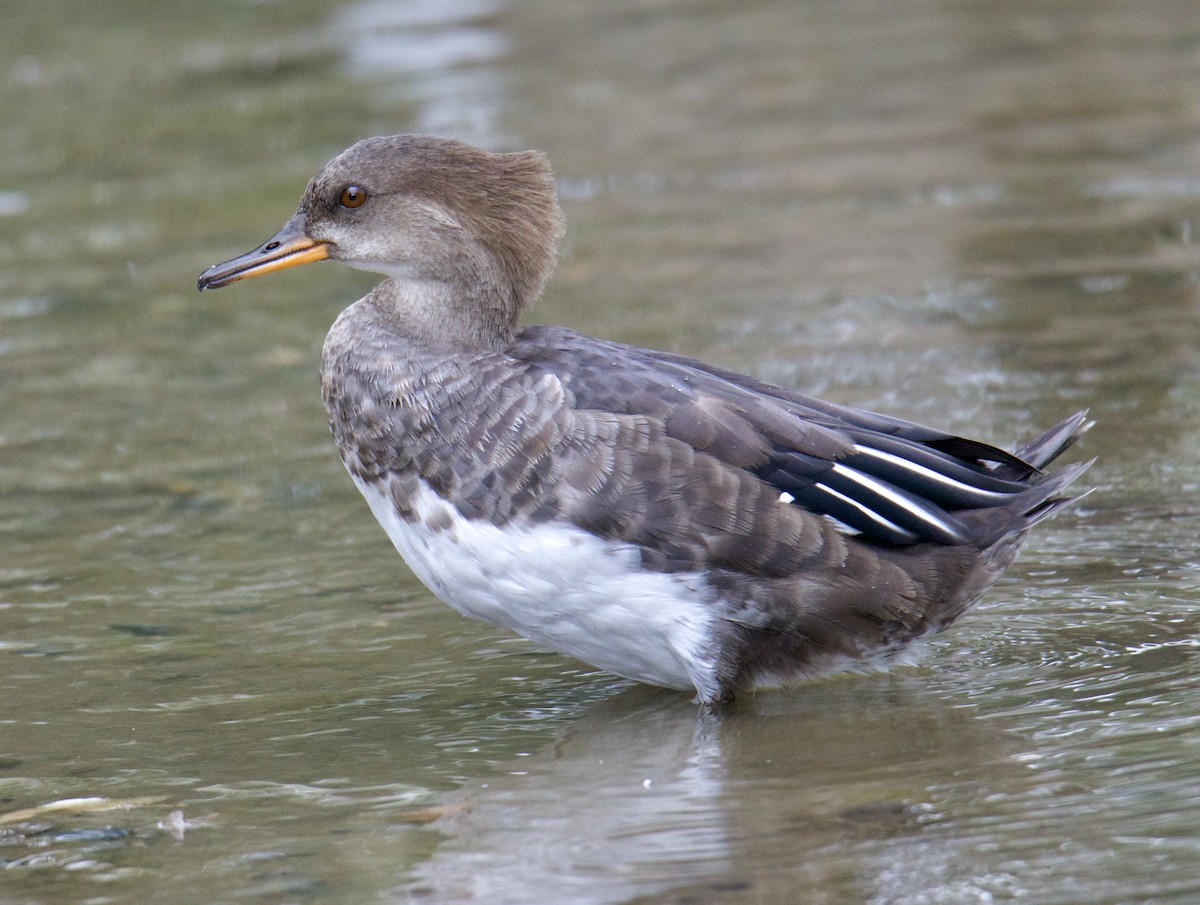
(789, 536)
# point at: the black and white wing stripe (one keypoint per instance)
(898, 498)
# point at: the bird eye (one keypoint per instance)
(353, 196)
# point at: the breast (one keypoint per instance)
(557, 585)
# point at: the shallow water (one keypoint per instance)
(978, 215)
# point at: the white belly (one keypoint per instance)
(562, 587)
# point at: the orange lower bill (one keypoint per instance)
(287, 248)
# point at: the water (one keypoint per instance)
(979, 215)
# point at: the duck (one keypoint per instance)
(662, 519)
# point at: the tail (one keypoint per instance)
(1044, 498)
(1040, 452)
(1049, 446)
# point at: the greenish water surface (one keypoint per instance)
(218, 683)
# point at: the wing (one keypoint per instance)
(750, 445)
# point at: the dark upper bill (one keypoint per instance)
(287, 248)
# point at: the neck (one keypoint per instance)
(437, 318)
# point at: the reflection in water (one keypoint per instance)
(638, 800)
(629, 798)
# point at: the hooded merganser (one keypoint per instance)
(660, 518)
